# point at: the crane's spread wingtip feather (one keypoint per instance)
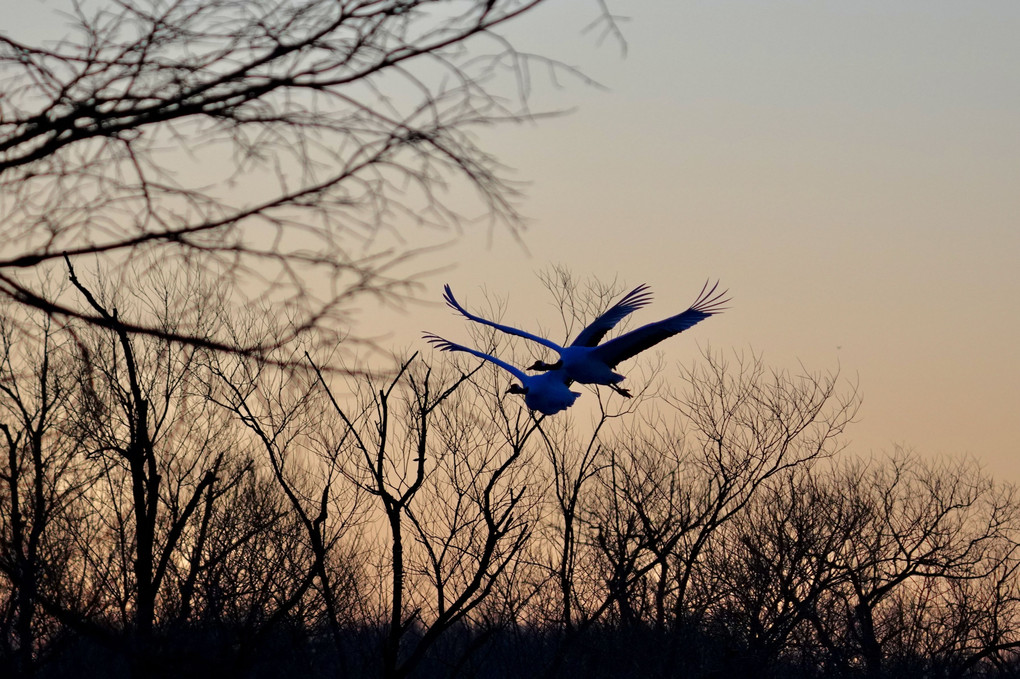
(452, 302)
(438, 342)
(709, 301)
(636, 298)
(449, 298)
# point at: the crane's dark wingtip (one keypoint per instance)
(636, 298)
(450, 300)
(709, 301)
(436, 341)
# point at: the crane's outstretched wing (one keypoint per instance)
(446, 345)
(597, 329)
(630, 344)
(452, 302)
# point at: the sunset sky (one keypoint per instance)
(849, 170)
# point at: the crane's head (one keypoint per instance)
(517, 389)
(544, 367)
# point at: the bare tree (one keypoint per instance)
(920, 526)
(453, 496)
(40, 473)
(307, 450)
(771, 567)
(746, 424)
(981, 617)
(161, 451)
(267, 143)
(110, 452)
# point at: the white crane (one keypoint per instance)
(588, 362)
(548, 393)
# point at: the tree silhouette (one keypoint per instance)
(266, 143)
(166, 509)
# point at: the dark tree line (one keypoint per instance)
(169, 509)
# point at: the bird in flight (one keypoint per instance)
(588, 362)
(548, 393)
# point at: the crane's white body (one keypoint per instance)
(548, 393)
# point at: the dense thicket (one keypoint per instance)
(167, 510)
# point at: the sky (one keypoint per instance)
(849, 170)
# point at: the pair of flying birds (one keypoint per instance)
(585, 360)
